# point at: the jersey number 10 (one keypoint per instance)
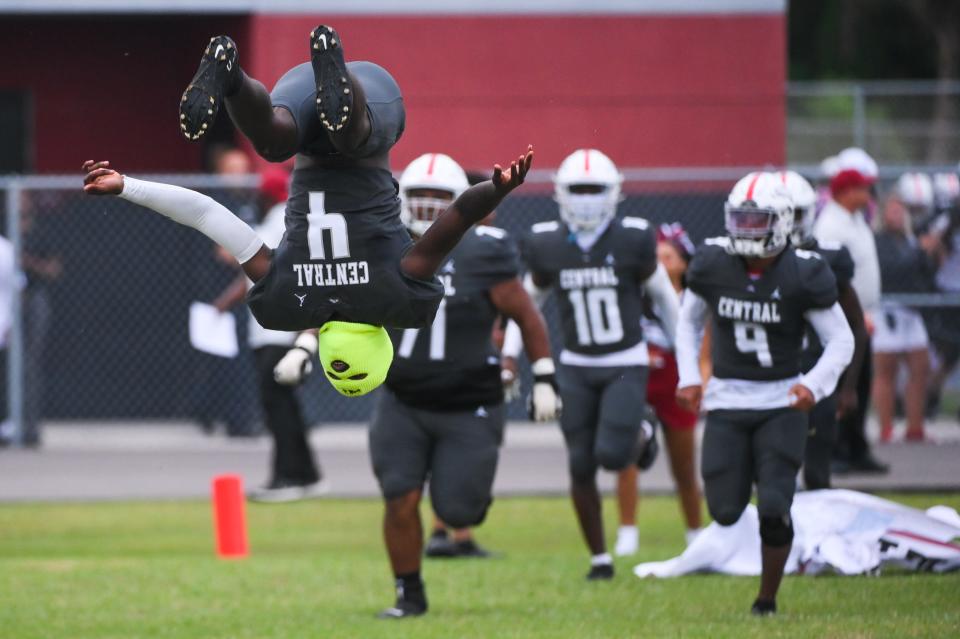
(597, 316)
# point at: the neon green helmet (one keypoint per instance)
(355, 357)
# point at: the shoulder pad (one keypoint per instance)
(495, 232)
(804, 254)
(545, 227)
(721, 241)
(634, 223)
(816, 279)
(829, 245)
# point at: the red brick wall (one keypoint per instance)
(107, 87)
(649, 90)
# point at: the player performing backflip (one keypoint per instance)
(759, 294)
(346, 264)
(600, 267)
(441, 415)
(823, 417)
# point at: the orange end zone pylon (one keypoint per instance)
(229, 517)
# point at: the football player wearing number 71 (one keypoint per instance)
(441, 414)
(760, 294)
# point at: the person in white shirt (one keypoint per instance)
(842, 221)
(282, 361)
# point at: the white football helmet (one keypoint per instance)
(804, 200)
(759, 216)
(587, 188)
(434, 171)
(946, 190)
(916, 191)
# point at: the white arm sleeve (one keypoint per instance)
(196, 211)
(666, 302)
(512, 338)
(834, 332)
(693, 315)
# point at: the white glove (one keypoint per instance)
(293, 367)
(545, 404)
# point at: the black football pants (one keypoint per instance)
(292, 458)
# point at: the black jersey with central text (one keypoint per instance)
(453, 364)
(758, 323)
(600, 290)
(841, 263)
(340, 256)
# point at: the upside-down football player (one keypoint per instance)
(346, 263)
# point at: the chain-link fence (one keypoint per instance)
(907, 122)
(100, 329)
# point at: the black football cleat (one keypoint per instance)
(468, 548)
(403, 610)
(219, 73)
(764, 608)
(334, 87)
(600, 572)
(440, 546)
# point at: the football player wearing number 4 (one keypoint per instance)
(345, 264)
(441, 416)
(601, 267)
(760, 295)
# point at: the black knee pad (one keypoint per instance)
(462, 515)
(612, 460)
(726, 516)
(776, 531)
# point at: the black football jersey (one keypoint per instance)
(838, 258)
(600, 291)
(758, 324)
(340, 256)
(453, 364)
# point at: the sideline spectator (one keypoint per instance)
(944, 325)
(223, 389)
(842, 220)
(7, 291)
(294, 475)
(900, 335)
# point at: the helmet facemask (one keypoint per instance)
(585, 207)
(422, 207)
(802, 233)
(755, 231)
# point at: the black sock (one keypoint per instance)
(410, 587)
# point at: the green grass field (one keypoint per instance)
(130, 570)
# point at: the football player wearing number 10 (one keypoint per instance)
(600, 267)
(760, 295)
(441, 415)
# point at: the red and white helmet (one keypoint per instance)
(434, 171)
(916, 191)
(804, 200)
(587, 188)
(946, 190)
(759, 215)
